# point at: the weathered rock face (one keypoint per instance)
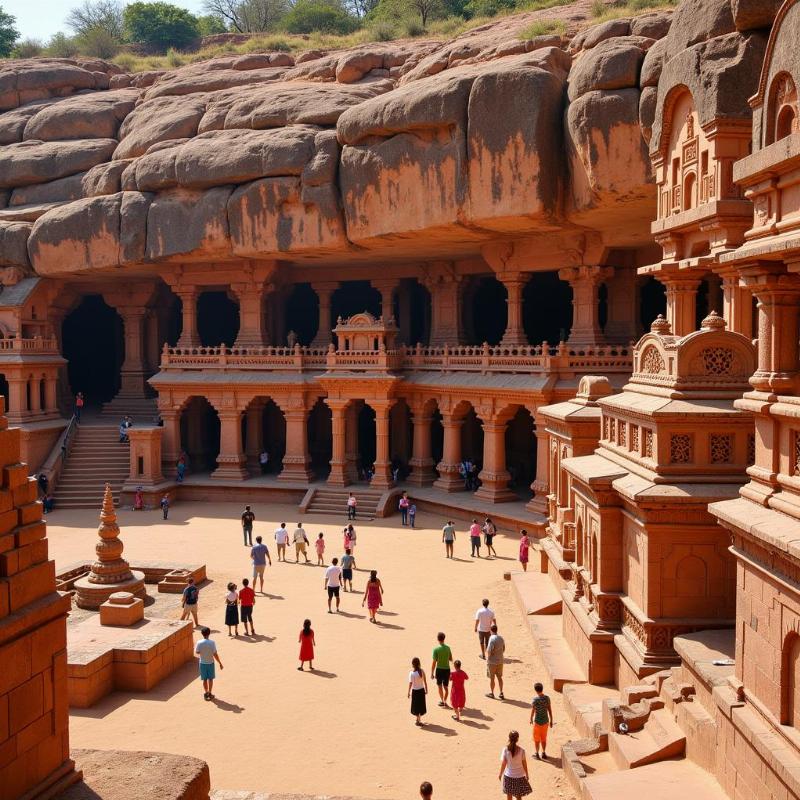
(411, 149)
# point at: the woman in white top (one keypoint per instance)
(514, 769)
(232, 609)
(417, 689)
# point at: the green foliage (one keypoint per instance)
(327, 16)
(413, 28)
(174, 58)
(268, 44)
(126, 62)
(62, 46)
(8, 33)
(488, 8)
(98, 42)
(27, 48)
(158, 26)
(598, 8)
(92, 14)
(543, 28)
(382, 31)
(209, 24)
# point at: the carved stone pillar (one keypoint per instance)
(170, 440)
(737, 304)
(254, 418)
(36, 398)
(338, 475)
(251, 314)
(515, 333)
(324, 325)
(622, 326)
(133, 374)
(189, 336)
(446, 327)
(585, 282)
(296, 459)
(383, 465)
(51, 394)
(231, 458)
(351, 453)
(449, 477)
(17, 398)
(421, 462)
(387, 289)
(404, 313)
(540, 485)
(494, 476)
(681, 303)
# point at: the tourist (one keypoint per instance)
(484, 619)
(475, 539)
(347, 569)
(206, 649)
(541, 718)
(307, 645)
(79, 401)
(351, 534)
(373, 595)
(247, 599)
(351, 506)
(259, 553)
(138, 499)
(42, 483)
(458, 695)
(464, 471)
(333, 582)
(412, 515)
(263, 461)
(514, 769)
(281, 540)
(165, 505)
(495, 658)
(191, 594)
(181, 466)
(300, 542)
(426, 790)
(319, 545)
(248, 517)
(473, 476)
(417, 689)
(440, 668)
(489, 532)
(524, 547)
(403, 505)
(48, 503)
(449, 538)
(232, 609)
(123, 430)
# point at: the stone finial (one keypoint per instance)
(661, 326)
(713, 322)
(593, 387)
(110, 567)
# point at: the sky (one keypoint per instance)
(40, 19)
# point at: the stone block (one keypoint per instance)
(121, 608)
(16, 659)
(9, 563)
(25, 704)
(31, 512)
(30, 585)
(30, 533)
(33, 734)
(25, 492)
(3, 717)
(8, 521)
(6, 542)
(46, 642)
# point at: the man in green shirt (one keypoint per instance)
(541, 719)
(448, 537)
(440, 669)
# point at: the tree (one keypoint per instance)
(8, 33)
(327, 16)
(62, 46)
(159, 26)
(249, 16)
(105, 15)
(27, 48)
(98, 42)
(361, 8)
(425, 8)
(209, 24)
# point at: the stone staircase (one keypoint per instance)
(333, 502)
(96, 458)
(142, 409)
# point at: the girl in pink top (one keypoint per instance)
(475, 538)
(458, 695)
(524, 545)
(320, 545)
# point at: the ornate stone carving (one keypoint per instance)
(635, 438)
(648, 443)
(720, 447)
(717, 360)
(680, 448)
(652, 363)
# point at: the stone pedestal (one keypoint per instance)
(121, 609)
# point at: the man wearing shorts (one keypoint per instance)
(189, 601)
(484, 619)
(260, 553)
(495, 652)
(281, 540)
(206, 650)
(541, 718)
(333, 580)
(248, 517)
(448, 537)
(247, 599)
(300, 541)
(440, 669)
(347, 569)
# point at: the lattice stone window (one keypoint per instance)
(751, 448)
(648, 443)
(635, 438)
(605, 428)
(623, 434)
(720, 447)
(680, 448)
(797, 452)
(652, 363)
(612, 429)
(717, 360)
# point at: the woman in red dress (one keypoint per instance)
(307, 644)
(373, 595)
(458, 695)
(524, 545)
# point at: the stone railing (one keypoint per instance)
(462, 358)
(38, 344)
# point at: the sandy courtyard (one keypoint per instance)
(345, 729)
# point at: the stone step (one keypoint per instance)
(561, 664)
(583, 703)
(536, 593)
(660, 739)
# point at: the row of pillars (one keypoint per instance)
(26, 398)
(235, 462)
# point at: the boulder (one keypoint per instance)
(104, 178)
(353, 66)
(39, 162)
(13, 122)
(308, 55)
(613, 64)
(198, 78)
(751, 15)
(647, 111)
(653, 26)
(14, 244)
(59, 191)
(159, 120)
(604, 31)
(653, 64)
(322, 168)
(697, 21)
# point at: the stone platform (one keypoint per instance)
(102, 659)
(170, 578)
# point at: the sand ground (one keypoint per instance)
(345, 729)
